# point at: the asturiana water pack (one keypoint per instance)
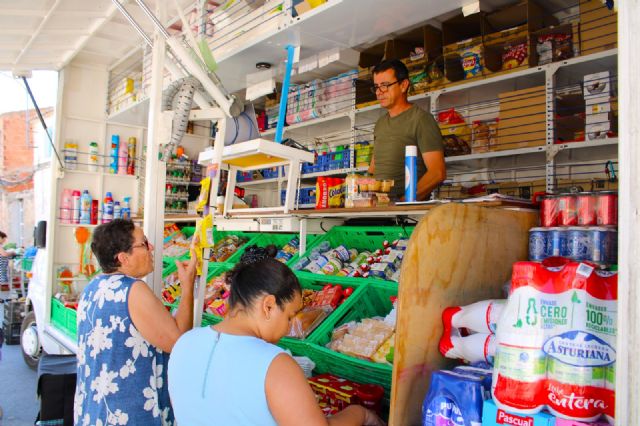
(555, 343)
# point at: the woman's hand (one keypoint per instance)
(187, 271)
(372, 419)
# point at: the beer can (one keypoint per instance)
(579, 243)
(600, 250)
(567, 210)
(586, 205)
(607, 208)
(557, 242)
(538, 244)
(613, 246)
(549, 211)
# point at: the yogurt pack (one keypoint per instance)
(555, 343)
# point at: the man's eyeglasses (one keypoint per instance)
(382, 87)
(144, 244)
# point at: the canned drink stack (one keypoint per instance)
(549, 211)
(567, 210)
(579, 243)
(538, 244)
(607, 208)
(586, 205)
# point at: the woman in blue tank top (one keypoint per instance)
(234, 374)
(125, 333)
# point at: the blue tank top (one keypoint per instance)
(219, 379)
(122, 378)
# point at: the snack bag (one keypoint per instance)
(514, 56)
(471, 58)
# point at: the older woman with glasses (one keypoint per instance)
(125, 334)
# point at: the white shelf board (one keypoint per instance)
(310, 123)
(589, 144)
(335, 172)
(337, 23)
(494, 154)
(259, 182)
(86, 172)
(259, 153)
(136, 115)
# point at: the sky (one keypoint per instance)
(44, 85)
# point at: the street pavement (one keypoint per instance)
(18, 398)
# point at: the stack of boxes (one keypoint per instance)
(598, 105)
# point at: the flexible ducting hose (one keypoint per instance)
(178, 97)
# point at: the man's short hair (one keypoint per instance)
(400, 69)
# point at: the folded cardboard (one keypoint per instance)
(522, 119)
(598, 27)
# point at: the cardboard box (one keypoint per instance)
(597, 84)
(596, 131)
(598, 27)
(554, 50)
(522, 119)
(460, 31)
(494, 416)
(597, 105)
(598, 118)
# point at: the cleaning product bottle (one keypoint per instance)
(107, 213)
(123, 152)
(93, 157)
(85, 208)
(410, 173)
(126, 208)
(117, 210)
(93, 217)
(131, 156)
(115, 143)
(76, 206)
(66, 206)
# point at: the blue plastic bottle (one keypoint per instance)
(115, 145)
(126, 208)
(410, 173)
(85, 208)
(117, 210)
(107, 214)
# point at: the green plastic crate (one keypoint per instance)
(300, 347)
(64, 319)
(249, 236)
(361, 238)
(366, 302)
(265, 239)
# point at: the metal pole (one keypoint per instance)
(285, 92)
(133, 23)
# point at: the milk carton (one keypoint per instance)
(555, 343)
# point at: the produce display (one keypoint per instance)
(383, 263)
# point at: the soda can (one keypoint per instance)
(346, 271)
(538, 244)
(557, 242)
(567, 210)
(613, 246)
(342, 253)
(549, 211)
(579, 243)
(586, 205)
(361, 258)
(600, 251)
(607, 208)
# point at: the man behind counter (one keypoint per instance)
(405, 124)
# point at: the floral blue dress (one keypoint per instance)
(122, 379)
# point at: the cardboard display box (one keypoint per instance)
(461, 31)
(522, 119)
(598, 27)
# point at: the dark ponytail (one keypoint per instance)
(248, 281)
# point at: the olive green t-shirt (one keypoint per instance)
(414, 126)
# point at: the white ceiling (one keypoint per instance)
(47, 34)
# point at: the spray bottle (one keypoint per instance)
(126, 208)
(107, 214)
(115, 142)
(410, 173)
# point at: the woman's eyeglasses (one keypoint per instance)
(382, 87)
(144, 243)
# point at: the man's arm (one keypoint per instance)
(436, 173)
